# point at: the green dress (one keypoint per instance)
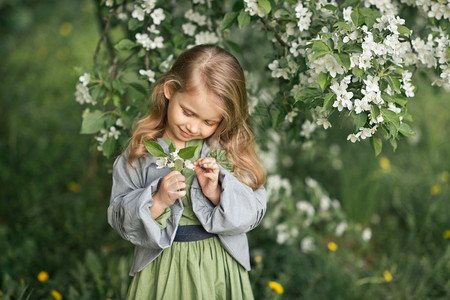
(191, 270)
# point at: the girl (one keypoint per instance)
(190, 229)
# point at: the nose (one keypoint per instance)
(193, 127)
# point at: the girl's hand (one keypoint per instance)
(171, 188)
(207, 170)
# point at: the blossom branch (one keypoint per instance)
(104, 35)
(269, 28)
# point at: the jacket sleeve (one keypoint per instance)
(129, 209)
(240, 208)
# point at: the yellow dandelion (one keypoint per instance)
(42, 276)
(258, 259)
(332, 246)
(446, 234)
(56, 295)
(278, 288)
(445, 176)
(387, 276)
(73, 186)
(435, 189)
(65, 29)
(384, 162)
(1, 293)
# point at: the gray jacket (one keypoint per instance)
(240, 210)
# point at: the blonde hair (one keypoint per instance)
(221, 74)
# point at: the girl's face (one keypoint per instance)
(193, 115)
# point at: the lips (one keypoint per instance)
(185, 134)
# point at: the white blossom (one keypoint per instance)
(109, 3)
(113, 132)
(366, 234)
(307, 244)
(158, 16)
(161, 162)
(340, 228)
(307, 128)
(189, 29)
(149, 74)
(138, 13)
(206, 37)
(85, 79)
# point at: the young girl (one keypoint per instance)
(190, 228)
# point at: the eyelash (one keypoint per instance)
(187, 114)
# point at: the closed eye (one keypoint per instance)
(186, 113)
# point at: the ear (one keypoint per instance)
(168, 90)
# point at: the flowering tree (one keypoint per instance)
(353, 58)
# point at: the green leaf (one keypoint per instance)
(265, 5)
(172, 147)
(228, 20)
(393, 143)
(188, 152)
(307, 93)
(330, 7)
(394, 83)
(377, 144)
(345, 59)
(320, 53)
(400, 99)
(358, 72)
(134, 24)
(352, 48)
(355, 17)
(328, 101)
(348, 3)
(276, 118)
(390, 116)
(139, 88)
(359, 120)
(221, 157)
(109, 146)
(243, 19)
(320, 46)
(343, 25)
(178, 165)
(154, 149)
(406, 130)
(125, 44)
(324, 80)
(92, 122)
(403, 30)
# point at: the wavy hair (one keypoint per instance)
(221, 74)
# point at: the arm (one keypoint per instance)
(129, 212)
(239, 210)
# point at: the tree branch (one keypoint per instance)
(269, 28)
(104, 26)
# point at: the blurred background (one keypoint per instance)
(54, 188)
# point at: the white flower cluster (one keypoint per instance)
(104, 134)
(303, 15)
(437, 9)
(154, 40)
(169, 161)
(199, 27)
(82, 94)
(252, 7)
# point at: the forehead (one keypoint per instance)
(205, 104)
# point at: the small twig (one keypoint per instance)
(117, 64)
(104, 33)
(269, 28)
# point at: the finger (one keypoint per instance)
(178, 194)
(211, 176)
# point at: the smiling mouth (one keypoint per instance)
(185, 134)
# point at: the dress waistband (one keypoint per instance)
(190, 233)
